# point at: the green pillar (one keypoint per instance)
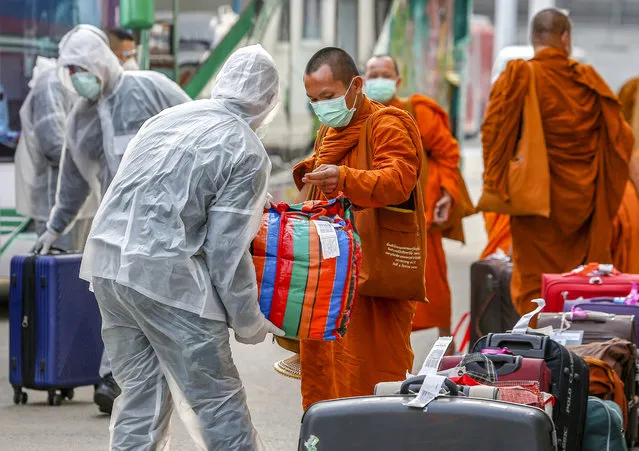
(461, 33)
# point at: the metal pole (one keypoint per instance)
(176, 40)
(505, 24)
(144, 46)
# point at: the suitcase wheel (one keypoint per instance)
(19, 397)
(67, 393)
(55, 399)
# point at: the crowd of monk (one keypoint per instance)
(594, 205)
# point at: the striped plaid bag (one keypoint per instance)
(307, 259)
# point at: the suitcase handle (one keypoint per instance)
(405, 389)
(525, 345)
(52, 251)
(504, 364)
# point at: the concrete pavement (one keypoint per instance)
(274, 400)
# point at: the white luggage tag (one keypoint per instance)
(433, 383)
(328, 239)
(568, 337)
(522, 325)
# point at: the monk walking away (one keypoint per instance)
(443, 190)
(379, 172)
(588, 146)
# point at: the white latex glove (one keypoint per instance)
(265, 328)
(45, 241)
(267, 202)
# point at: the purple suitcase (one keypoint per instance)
(616, 306)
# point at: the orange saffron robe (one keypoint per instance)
(589, 145)
(442, 152)
(376, 346)
(498, 231)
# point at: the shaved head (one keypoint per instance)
(339, 61)
(375, 59)
(551, 28)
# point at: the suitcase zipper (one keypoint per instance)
(28, 322)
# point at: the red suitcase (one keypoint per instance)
(590, 281)
(511, 368)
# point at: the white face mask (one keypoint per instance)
(131, 64)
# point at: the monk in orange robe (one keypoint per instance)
(443, 183)
(376, 346)
(630, 104)
(589, 145)
(625, 240)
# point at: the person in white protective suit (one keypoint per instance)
(112, 107)
(43, 117)
(168, 258)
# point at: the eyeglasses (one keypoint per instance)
(129, 53)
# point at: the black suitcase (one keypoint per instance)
(491, 307)
(570, 380)
(449, 423)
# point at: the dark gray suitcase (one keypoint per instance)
(491, 306)
(384, 423)
(597, 326)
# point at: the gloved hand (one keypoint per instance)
(45, 241)
(265, 328)
(267, 202)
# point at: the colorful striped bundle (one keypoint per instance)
(307, 260)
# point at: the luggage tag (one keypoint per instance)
(568, 337)
(328, 239)
(433, 383)
(522, 325)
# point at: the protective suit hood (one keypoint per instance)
(87, 46)
(42, 66)
(248, 85)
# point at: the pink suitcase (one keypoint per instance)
(590, 281)
(511, 368)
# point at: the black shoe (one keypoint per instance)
(105, 393)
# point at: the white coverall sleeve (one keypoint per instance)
(233, 221)
(49, 130)
(73, 190)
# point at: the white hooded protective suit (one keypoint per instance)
(98, 132)
(43, 117)
(173, 231)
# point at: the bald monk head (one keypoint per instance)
(333, 86)
(551, 28)
(382, 78)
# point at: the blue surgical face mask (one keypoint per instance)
(334, 112)
(380, 89)
(86, 84)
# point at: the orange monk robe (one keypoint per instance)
(442, 152)
(589, 145)
(498, 231)
(376, 346)
(625, 233)
(625, 236)
(629, 105)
